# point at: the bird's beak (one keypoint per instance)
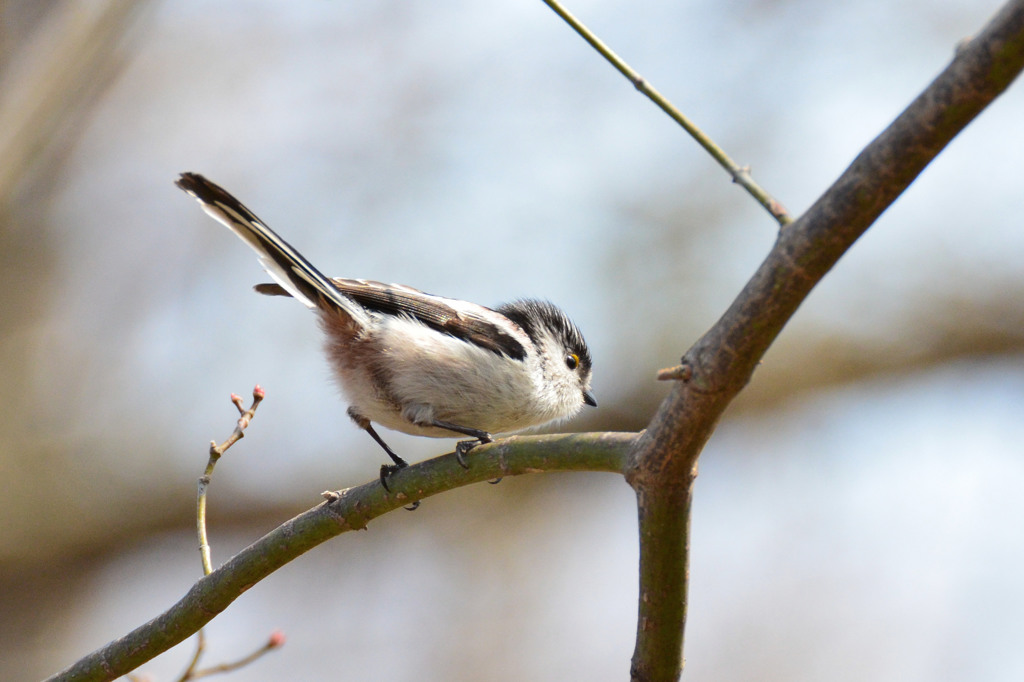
(589, 398)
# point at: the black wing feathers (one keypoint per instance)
(390, 300)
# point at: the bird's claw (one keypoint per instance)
(464, 446)
(387, 471)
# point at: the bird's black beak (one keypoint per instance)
(589, 398)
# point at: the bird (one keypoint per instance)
(422, 364)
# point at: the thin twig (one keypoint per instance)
(215, 454)
(739, 174)
(276, 640)
(216, 451)
(189, 672)
(681, 372)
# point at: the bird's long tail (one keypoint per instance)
(284, 264)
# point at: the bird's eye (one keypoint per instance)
(572, 361)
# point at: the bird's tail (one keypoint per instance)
(284, 264)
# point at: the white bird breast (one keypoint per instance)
(435, 376)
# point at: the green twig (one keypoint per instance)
(740, 174)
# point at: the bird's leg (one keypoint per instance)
(464, 446)
(385, 469)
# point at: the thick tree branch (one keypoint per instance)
(343, 511)
(663, 465)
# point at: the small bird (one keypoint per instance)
(418, 363)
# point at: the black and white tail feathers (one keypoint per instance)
(284, 264)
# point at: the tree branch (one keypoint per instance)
(663, 465)
(345, 510)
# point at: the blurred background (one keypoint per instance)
(858, 514)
